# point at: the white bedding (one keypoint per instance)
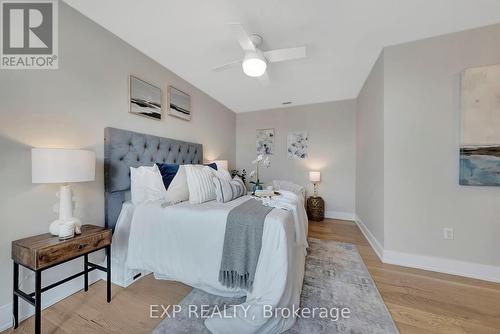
(184, 242)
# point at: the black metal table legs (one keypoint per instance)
(35, 298)
(86, 275)
(38, 302)
(15, 299)
(108, 273)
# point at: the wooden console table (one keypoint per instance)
(44, 251)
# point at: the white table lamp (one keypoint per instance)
(62, 166)
(221, 164)
(315, 178)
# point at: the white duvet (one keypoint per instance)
(184, 243)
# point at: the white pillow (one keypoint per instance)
(222, 174)
(200, 184)
(146, 184)
(178, 190)
(227, 191)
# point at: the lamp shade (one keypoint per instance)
(54, 165)
(315, 176)
(221, 164)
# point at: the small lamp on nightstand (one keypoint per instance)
(315, 204)
(221, 164)
(62, 166)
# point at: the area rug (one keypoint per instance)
(335, 278)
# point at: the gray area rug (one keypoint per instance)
(335, 278)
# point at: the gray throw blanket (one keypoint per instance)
(242, 243)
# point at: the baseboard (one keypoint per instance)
(340, 215)
(376, 246)
(49, 298)
(447, 266)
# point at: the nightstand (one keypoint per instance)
(315, 208)
(45, 251)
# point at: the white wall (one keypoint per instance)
(332, 149)
(70, 107)
(370, 153)
(422, 194)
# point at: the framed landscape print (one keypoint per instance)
(480, 122)
(179, 103)
(145, 99)
(265, 141)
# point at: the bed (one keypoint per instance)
(184, 242)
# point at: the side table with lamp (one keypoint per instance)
(45, 251)
(315, 204)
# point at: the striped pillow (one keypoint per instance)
(226, 191)
(200, 184)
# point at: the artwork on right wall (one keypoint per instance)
(297, 144)
(480, 133)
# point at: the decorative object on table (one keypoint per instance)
(315, 208)
(67, 230)
(221, 164)
(254, 175)
(179, 104)
(264, 193)
(297, 144)
(315, 178)
(145, 99)
(265, 141)
(242, 174)
(62, 166)
(480, 135)
(41, 252)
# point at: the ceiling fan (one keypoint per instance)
(256, 60)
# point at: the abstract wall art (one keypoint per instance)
(145, 99)
(179, 104)
(480, 122)
(265, 141)
(297, 144)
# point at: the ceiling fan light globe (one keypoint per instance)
(254, 66)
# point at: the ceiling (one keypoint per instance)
(343, 39)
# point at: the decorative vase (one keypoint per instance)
(257, 186)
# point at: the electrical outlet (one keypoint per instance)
(448, 233)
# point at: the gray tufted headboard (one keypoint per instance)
(124, 149)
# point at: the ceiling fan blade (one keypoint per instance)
(242, 37)
(274, 56)
(264, 79)
(227, 66)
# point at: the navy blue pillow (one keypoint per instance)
(212, 165)
(167, 172)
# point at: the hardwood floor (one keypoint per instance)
(422, 301)
(419, 301)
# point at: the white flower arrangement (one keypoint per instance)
(254, 175)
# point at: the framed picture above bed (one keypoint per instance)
(179, 104)
(145, 98)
